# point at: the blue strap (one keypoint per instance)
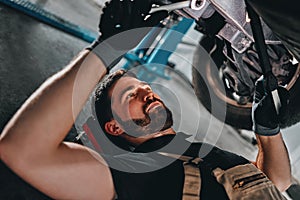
(44, 16)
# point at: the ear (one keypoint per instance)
(112, 127)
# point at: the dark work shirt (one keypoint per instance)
(160, 177)
(12, 187)
(153, 182)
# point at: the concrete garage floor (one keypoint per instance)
(31, 51)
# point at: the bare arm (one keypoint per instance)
(273, 160)
(31, 143)
(273, 157)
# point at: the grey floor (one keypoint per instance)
(31, 51)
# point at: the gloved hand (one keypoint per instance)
(119, 16)
(123, 15)
(264, 116)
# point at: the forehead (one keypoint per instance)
(122, 84)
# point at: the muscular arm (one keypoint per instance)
(273, 160)
(31, 143)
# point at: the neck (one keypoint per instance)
(169, 131)
(139, 140)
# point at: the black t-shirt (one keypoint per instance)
(12, 187)
(161, 177)
(157, 183)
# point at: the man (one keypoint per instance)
(32, 144)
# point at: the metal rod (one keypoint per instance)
(270, 79)
(171, 7)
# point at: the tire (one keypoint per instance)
(210, 88)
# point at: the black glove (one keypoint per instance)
(119, 16)
(264, 116)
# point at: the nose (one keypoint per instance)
(150, 96)
(145, 93)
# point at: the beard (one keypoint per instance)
(158, 119)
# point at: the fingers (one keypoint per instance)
(260, 91)
(123, 15)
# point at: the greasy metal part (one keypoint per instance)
(238, 30)
(172, 7)
(241, 78)
(206, 11)
(189, 9)
(239, 41)
(197, 4)
(243, 71)
(239, 81)
(251, 58)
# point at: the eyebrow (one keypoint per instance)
(126, 90)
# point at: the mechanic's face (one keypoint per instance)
(138, 109)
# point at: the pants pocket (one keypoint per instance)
(247, 182)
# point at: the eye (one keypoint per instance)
(148, 88)
(131, 95)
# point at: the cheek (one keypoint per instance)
(156, 96)
(121, 110)
(132, 110)
(135, 110)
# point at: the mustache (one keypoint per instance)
(149, 101)
(159, 119)
(146, 121)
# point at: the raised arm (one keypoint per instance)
(32, 144)
(273, 158)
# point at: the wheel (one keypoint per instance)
(212, 91)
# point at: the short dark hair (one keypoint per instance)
(102, 100)
(102, 103)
